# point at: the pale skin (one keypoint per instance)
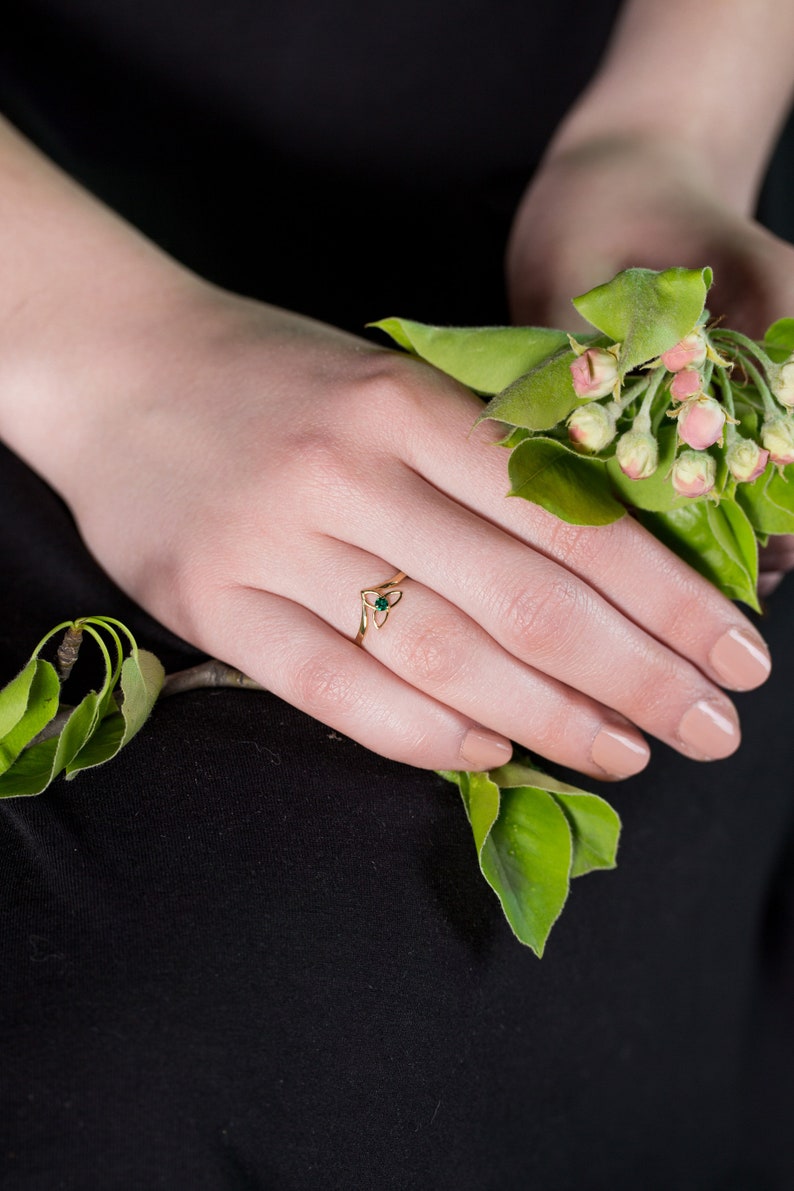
(243, 472)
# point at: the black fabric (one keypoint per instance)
(249, 954)
(349, 160)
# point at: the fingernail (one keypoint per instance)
(484, 750)
(618, 753)
(708, 732)
(741, 659)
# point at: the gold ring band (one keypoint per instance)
(377, 603)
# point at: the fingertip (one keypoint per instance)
(619, 753)
(740, 659)
(481, 749)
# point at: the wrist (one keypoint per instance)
(83, 296)
(707, 80)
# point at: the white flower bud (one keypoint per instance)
(595, 373)
(637, 453)
(592, 427)
(777, 435)
(781, 382)
(694, 474)
(746, 460)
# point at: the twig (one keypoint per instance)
(211, 673)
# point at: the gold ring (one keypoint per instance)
(377, 603)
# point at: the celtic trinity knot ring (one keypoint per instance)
(377, 603)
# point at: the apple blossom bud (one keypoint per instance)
(700, 422)
(685, 384)
(592, 427)
(694, 473)
(781, 382)
(637, 453)
(595, 373)
(746, 460)
(689, 353)
(777, 435)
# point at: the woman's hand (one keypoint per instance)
(250, 472)
(245, 473)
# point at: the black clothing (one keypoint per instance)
(248, 954)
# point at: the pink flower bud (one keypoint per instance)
(685, 384)
(746, 460)
(777, 435)
(592, 427)
(689, 353)
(595, 373)
(781, 382)
(637, 453)
(694, 473)
(700, 422)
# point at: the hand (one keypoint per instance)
(616, 202)
(253, 471)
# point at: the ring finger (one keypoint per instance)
(431, 644)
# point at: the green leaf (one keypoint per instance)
(716, 540)
(14, 698)
(539, 399)
(31, 773)
(645, 311)
(41, 699)
(779, 339)
(769, 501)
(141, 679)
(76, 731)
(595, 830)
(656, 493)
(93, 732)
(524, 847)
(103, 744)
(734, 535)
(486, 359)
(40, 764)
(527, 861)
(595, 825)
(532, 832)
(573, 487)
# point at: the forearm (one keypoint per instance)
(714, 78)
(80, 287)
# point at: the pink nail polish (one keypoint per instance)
(708, 732)
(619, 753)
(484, 750)
(741, 660)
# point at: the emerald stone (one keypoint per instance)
(381, 604)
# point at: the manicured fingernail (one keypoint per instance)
(741, 659)
(484, 750)
(708, 732)
(618, 753)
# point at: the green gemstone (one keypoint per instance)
(381, 604)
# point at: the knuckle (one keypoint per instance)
(394, 396)
(582, 544)
(685, 621)
(541, 619)
(435, 654)
(319, 687)
(649, 693)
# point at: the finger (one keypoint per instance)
(304, 661)
(623, 561)
(550, 619)
(440, 650)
